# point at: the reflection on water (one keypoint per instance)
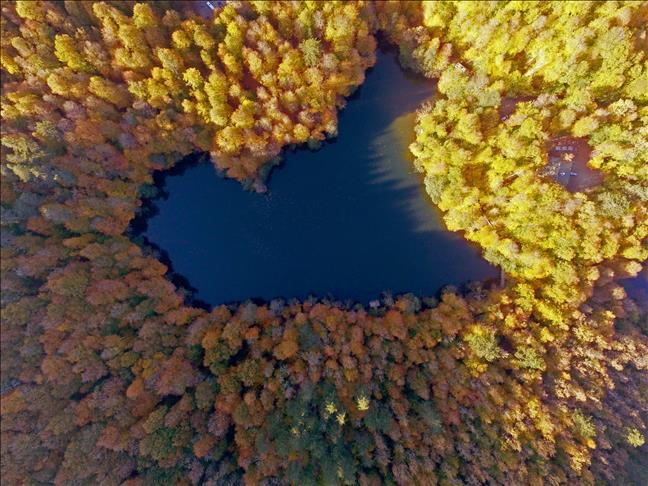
(394, 164)
(349, 221)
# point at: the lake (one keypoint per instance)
(348, 221)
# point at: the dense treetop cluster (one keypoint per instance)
(486, 175)
(485, 172)
(581, 50)
(111, 376)
(241, 86)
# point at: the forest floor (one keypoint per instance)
(567, 156)
(571, 155)
(203, 8)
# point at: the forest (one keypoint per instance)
(111, 375)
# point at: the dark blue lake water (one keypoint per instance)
(348, 221)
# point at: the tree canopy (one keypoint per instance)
(111, 376)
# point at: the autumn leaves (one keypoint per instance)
(109, 378)
(486, 173)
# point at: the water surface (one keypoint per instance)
(348, 221)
